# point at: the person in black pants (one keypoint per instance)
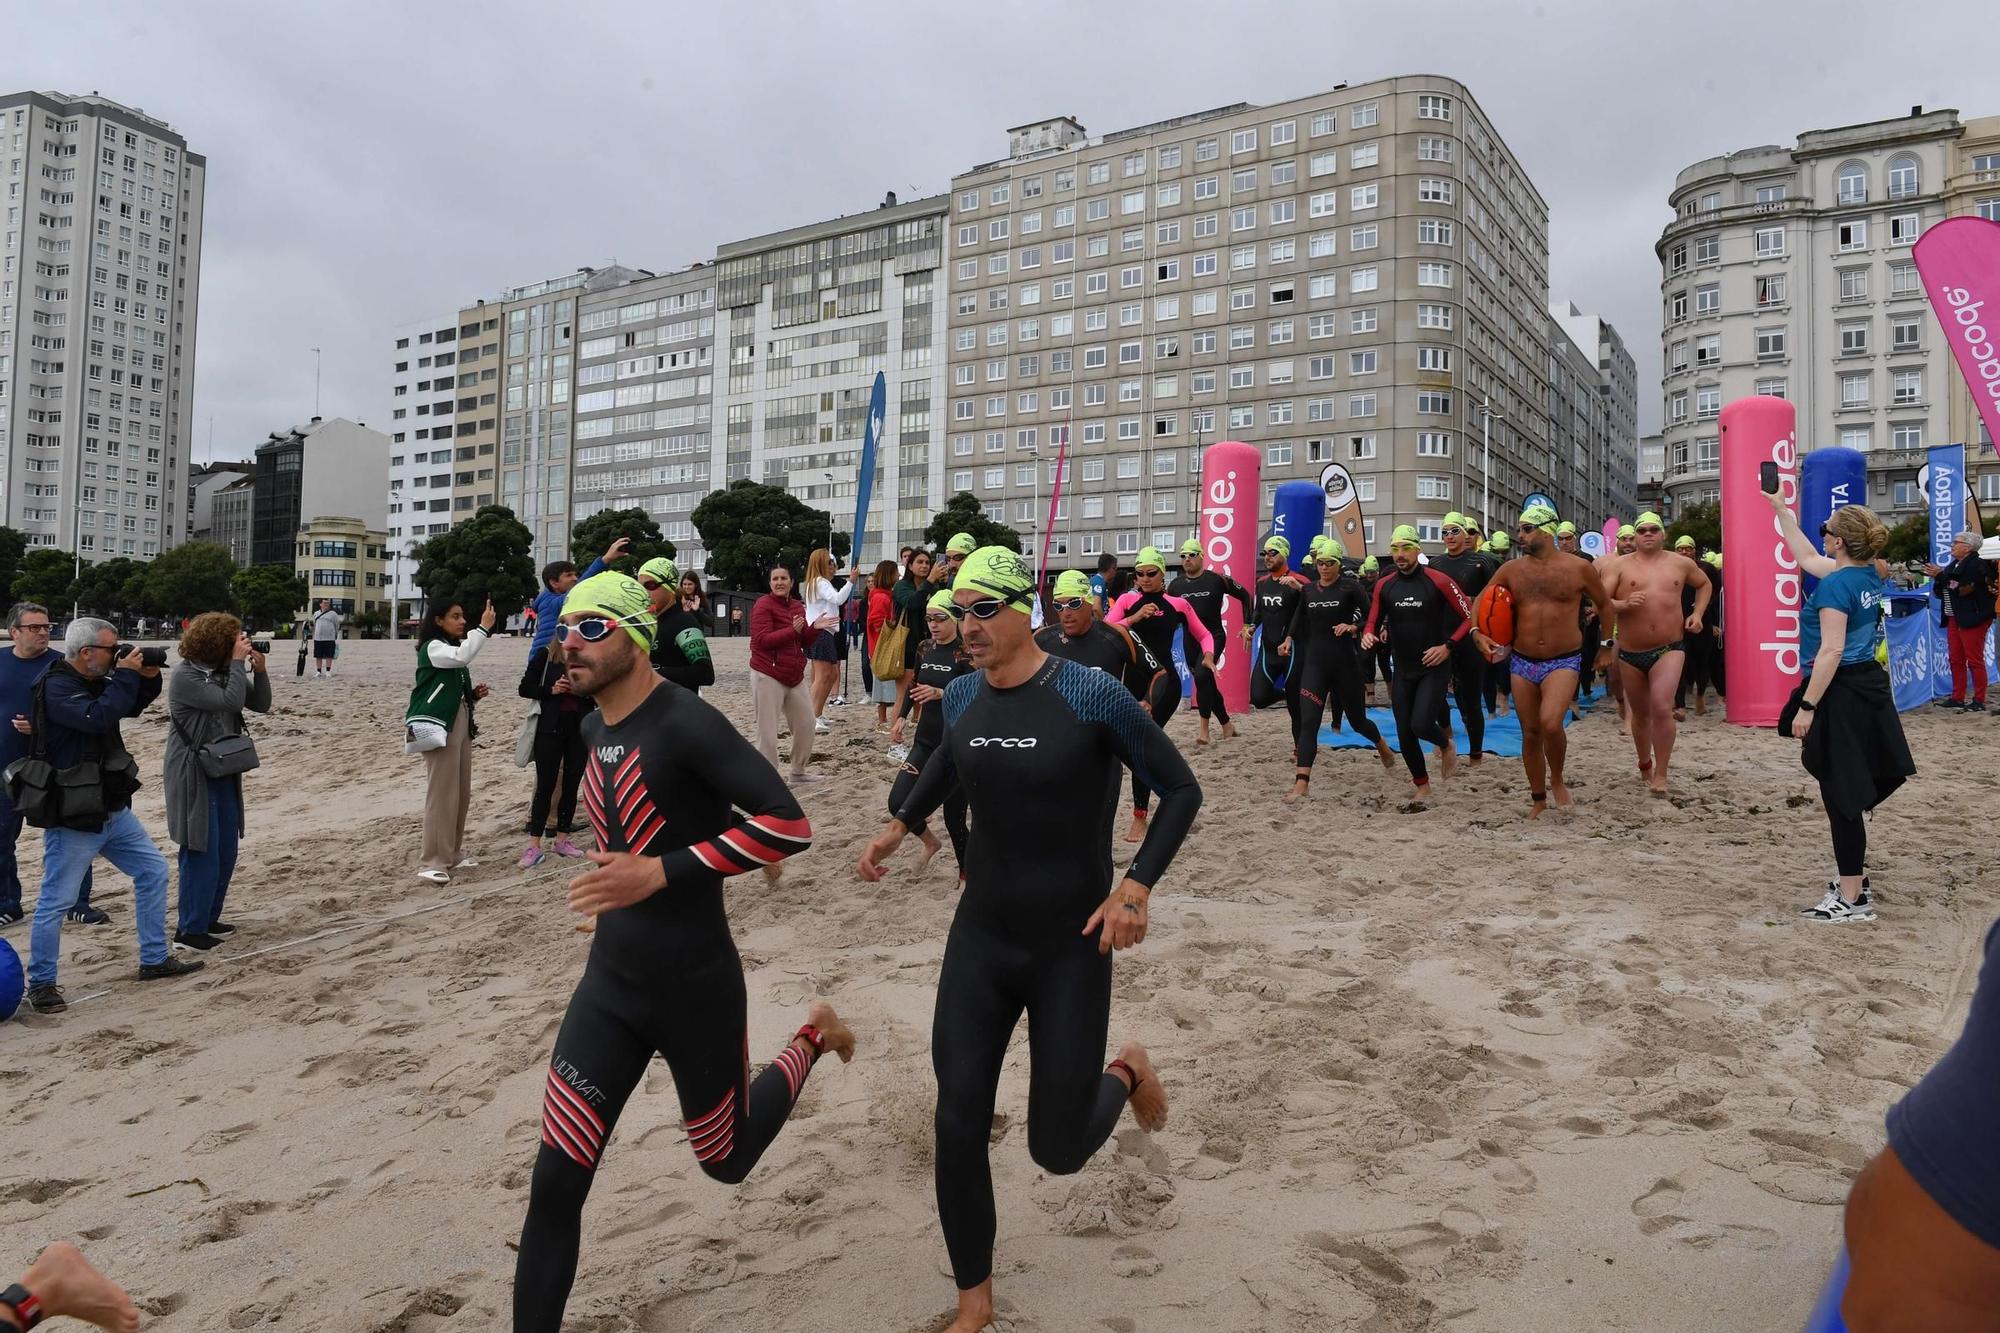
(1469, 568)
(1205, 590)
(1421, 614)
(1036, 743)
(558, 753)
(1326, 630)
(1703, 647)
(1496, 686)
(942, 661)
(1274, 676)
(666, 778)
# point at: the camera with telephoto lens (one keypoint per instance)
(152, 657)
(260, 646)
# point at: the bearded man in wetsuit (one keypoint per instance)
(1549, 589)
(1420, 613)
(1036, 744)
(1277, 600)
(1645, 589)
(1469, 567)
(1205, 589)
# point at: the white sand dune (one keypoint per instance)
(1430, 1070)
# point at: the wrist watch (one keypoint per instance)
(1807, 706)
(26, 1307)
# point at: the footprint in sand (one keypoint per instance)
(41, 1191)
(1135, 1261)
(217, 1139)
(1655, 1208)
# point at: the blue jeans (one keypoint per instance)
(205, 875)
(66, 857)
(10, 870)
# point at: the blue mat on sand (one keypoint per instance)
(1503, 734)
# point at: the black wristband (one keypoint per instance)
(26, 1307)
(1807, 706)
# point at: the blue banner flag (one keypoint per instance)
(864, 481)
(1829, 479)
(1944, 497)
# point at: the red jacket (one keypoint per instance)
(776, 649)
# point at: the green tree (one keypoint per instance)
(1703, 522)
(13, 546)
(485, 556)
(593, 537)
(750, 527)
(269, 594)
(189, 580)
(374, 622)
(962, 513)
(103, 587)
(46, 576)
(1909, 540)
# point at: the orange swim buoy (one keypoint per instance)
(1493, 614)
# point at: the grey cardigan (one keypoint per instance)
(206, 704)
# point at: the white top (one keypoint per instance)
(823, 602)
(326, 625)
(443, 654)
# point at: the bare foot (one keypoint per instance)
(1478, 759)
(1422, 797)
(1656, 781)
(1680, 715)
(587, 926)
(834, 1035)
(1298, 792)
(1700, 708)
(931, 845)
(975, 1309)
(1202, 739)
(1137, 833)
(1564, 801)
(1229, 731)
(1447, 762)
(774, 873)
(1538, 804)
(1387, 755)
(68, 1285)
(1149, 1096)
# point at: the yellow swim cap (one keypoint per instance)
(1456, 520)
(1328, 548)
(1565, 529)
(1190, 547)
(662, 570)
(1073, 583)
(1404, 535)
(939, 601)
(1683, 541)
(1649, 519)
(1627, 530)
(1539, 516)
(961, 544)
(1280, 545)
(999, 571)
(1500, 541)
(618, 596)
(1150, 557)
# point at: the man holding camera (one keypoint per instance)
(20, 671)
(99, 683)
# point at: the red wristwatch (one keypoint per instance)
(26, 1306)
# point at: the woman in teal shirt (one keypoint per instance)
(1843, 710)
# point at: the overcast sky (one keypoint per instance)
(378, 161)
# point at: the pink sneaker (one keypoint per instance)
(564, 847)
(531, 856)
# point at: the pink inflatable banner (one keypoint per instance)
(1959, 261)
(1760, 616)
(1230, 530)
(1611, 526)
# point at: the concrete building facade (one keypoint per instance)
(205, 482)
(1612, 471)
(322, 468)
(230, 517)
(1787, 271)
(422, 413)
(100, 277)
(342, 561)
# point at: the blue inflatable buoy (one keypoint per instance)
(13, 981)
(1825, 1317)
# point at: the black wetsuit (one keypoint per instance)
(1205, 592)
(1593, 635)
(1277, 600)
(680, 650)
(1039, 763)
(1157, 633)
(1418, 611)
(1470, 571)
(1331, 665)
(937, 666)
(1376, 661)
(1704, 649)
(663, 975)
(1109, 648)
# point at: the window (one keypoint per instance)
(1903, 178)
(1322, 285)
(1853, 184)
(1771, 343)
(1322, 205)
(1285, 131)
(1360, 448)
(1907, 436)
(1708, 350)
(1853, 235)
(1319, 368)
(1243, 377)
(1433, 191)
(1283, 211)
(1364, 196)
(1433, 488)
(1323, 164)
(1362, 362)
(1362, 320)
(1361, 405)
(1132, 201)
(1283, 252)
(1707, 454)
(1854, 340)
(1320, 245)
(1437, 360)
(1170, 156)
(1433, 316)
(1433, 403)
(1854, 390)
(1677, 259)
(1433, 231)
(1677, 408)
(1854, 284)
(1207, 225)
(1903, 279)
(1207, 187)
(1708, 300)
(1909, 387)
(1904, 229)
(1135, 163)
(1770, 241)
(1771, 194)
(1771, 289)
(1096, 210)
(1364, 155)
(1279, 331)
(1243, 298)
(1431, 148)
(1167, 195)
(1434, 444)
(1361, 279)
(1707, 404)
(1326, 122)
(1242, 219)
(1432, 106)
(1677, 356)
(1707, 249)
(1361, 117)
(1770, 388)
(1433, 275)
(1206, 150)
(1363, 238)
(1905, 334)
(997, 229)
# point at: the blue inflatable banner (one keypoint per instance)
(1298, 514)
(1829, 479)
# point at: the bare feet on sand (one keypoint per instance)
(834, 1035)
(587, 926)
(975, 1309)
(68, 1285)
(1137, 833)
(774, 873)
(1447, 761)
(931, 845)
(1680, 715)
(1149, 1097)
(1559, 792)
(1298, 791)
(1386, 755)
(1202, 737)
(1229, 731)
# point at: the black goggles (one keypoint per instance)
(988, 607)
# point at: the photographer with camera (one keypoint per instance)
(81, 797)
(221, 673)
(20, 671)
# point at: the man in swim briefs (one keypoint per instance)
(1645, 589)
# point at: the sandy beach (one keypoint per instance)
(1437, 1070)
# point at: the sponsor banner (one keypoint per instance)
(1829, 479)
(1959, 262)
(1765, 597)
(864, 482)
(1230, 533)
(1944, 498)
(1298, 514)
(1343, 509)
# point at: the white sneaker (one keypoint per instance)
(820, 727)
(466, 863)
(1834, 911)
(435, 876)
(838, 701)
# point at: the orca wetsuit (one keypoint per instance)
(1418, 611)
(1039, 764)
(938, 665)
(1171, 616)
(1205, 592)
(663, 975)
(1277, 599)
(1470, 570)
(1109, 648)
(1331, 668)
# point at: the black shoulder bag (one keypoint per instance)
(223, 757)
(73, 797)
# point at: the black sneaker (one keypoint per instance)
(222, 930)
(1949, 703)
(203, 943)
(86, 915)
(11, 916)
(1976, 706)
(47, 999)
(172, 967)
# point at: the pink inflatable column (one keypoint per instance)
(1763, 594)
(1229, 535)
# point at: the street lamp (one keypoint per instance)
(396, 578)
(828, 478)
(1487, 415)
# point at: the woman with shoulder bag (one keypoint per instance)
(880, 613)
(219, 675)
(440, 727)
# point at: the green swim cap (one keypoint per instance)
(1565, 529)
(999, 571)
(1540, 516)
(1500, 541)
(1073, 583)
(1627, 530)
(662, 570)
(1280, 545)
(939, 601)
(1150, 556)
(618, 596)
(1456, 520)
(961, 544)
(1328, 548)
(1683, 541)
(1370, 565)
(1404, 534)
(1649, 519)
(1714, 558)
(1190, 547)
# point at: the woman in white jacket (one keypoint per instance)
(443, 697)
(823, 603)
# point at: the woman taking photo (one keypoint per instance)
(881, 611)
(443, 698)
(1843, 711)
(910, 594)
(823, 603)
(219, 675)
(558, 753)
(779, 636)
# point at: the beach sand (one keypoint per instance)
(1429, 1070)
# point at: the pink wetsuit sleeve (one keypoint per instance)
(1194, 625)
(1116, 615)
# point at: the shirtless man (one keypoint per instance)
(1549, 588)
(1645, 590)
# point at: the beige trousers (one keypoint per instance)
(448, 798)
(773, 699)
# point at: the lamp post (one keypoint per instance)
(1486, 415)
(396, 577)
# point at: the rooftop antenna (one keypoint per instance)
(316, 384)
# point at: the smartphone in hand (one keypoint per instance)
(1767, 477)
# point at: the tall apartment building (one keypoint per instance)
(100, 275)
(1350, 277)
(336, 467)
(1787, 271)
(1611, 472)
(812, 314)
(422, 412)
(644, 401)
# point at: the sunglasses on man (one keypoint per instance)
(987, 607)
